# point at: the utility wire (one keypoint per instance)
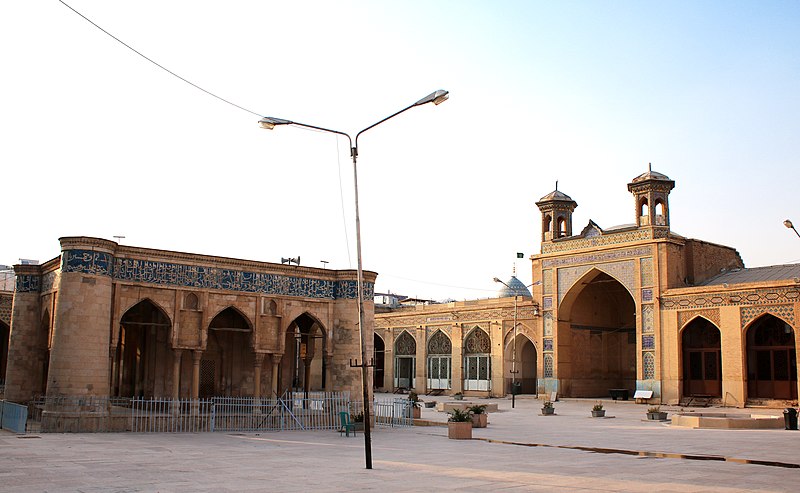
(341, 200)
(158, 64)
(434, 283)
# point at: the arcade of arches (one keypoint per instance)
(182, 325)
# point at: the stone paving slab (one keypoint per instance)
(414, 459)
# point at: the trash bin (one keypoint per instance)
(790, 418)
(516, 389)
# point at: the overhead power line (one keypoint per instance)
(126, 45)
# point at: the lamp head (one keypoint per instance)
(496, 280)
(269, 122)
(788, 224)
(436, 97)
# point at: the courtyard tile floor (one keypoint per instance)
(520, 450)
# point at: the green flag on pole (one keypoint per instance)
(520, 255)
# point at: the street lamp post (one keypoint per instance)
(269, 123)
(789, 225)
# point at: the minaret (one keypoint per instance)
(556, 208)
(651, 194)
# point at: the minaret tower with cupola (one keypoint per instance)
(651, 193)
(556, 208)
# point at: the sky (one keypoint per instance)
(97, 141)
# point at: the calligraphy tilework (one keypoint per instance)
(206, 277)
(547, 302)
(49, 281)
(28, 283)
(548, 366)
(548, 344)
(647, 295)
(648, 341)
(647, 318)
(649, 366)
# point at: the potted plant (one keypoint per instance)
(655, 413)
(459, 425)
(598, 411)
(429, 404)
(357, 420)
(415, 404)
(479, 416)
(458, 396)
(548, 409)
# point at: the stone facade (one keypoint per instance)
(104, 319)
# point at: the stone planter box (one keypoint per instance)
(459, 431)
(429, 404)
(660, 416)
(358, 426)
(548, 411)
(599, 414)
(416, 412)
(480, 420)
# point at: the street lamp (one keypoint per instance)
(514, 343)
(269, 123)
(789, 225)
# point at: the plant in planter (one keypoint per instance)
(655, 413)
(429, 404)
(548, 409)
(415, 404)
(458, 396)
(598, 411)
(357, 420)
(479, 416)
(459, 425)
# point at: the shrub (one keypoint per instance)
(459, 416)
(357, 418)
(597, 407)
(547, 404)
(480, 409)
(654, 409)
(414, 398)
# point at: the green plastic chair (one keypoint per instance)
(347, 426)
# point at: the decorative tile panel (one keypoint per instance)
(548, 323)
(548, 366)
(605, 239)
(765, 296)
(711, 314)
(647, 295)
(548, 344)
(28, 283)
(547, 281)
(647, 318)
(439, 343)
(547, 302)
(648, 366)
(87, 262)
(49, 280)
(785, 312)
(5, 307)
(621, 271)
(648, 341)
(646, 271)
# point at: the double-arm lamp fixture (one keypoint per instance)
(789, 225)
(269, 123)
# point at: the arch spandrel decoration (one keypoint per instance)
(439, 343)
(623, 271)
(478, 342)
(405, 345)
(750, 313)
(712, 315)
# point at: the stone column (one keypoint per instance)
(328, 372)
(259, 359)
(196, 355)
(25, 354)
(457, 358)
(419, 372)
(176, 381)
(276, 363)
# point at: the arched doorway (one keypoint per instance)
(143, 362)
(440, 354)
(405, 361)
(4, 335)
(303, 366)
(771, 359)
(477, 361)
(378, 358)
(226, 368)
(702, 359)
(596, 337)
(524, 364)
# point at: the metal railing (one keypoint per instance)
(13, 417)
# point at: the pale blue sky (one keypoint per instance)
(97, 141)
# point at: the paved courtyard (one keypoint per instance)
(520, 450)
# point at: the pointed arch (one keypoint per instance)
(190, 301)
(596, 274)
(439, 365)
(477, 360)
(701, 353)
(141, 303)
(143, 362)
(771, 358)
(304, 365)
(405, 360)
(379, 361)
(231, 318)
(520, 360)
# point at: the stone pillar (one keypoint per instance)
(176, 381)
(457, 359)
(259, 359)
(328, 372)
(79, 363)
(419, 372)
(276, 363)
(498, 377)
(25, 362)
(196, 356)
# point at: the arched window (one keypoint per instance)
(477, 360)
(190, 302)
(439, 361)
(561, 227)
(405, 358)
(548, 223)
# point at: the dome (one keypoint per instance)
(555, 195)
(651, 175)
(514, 287)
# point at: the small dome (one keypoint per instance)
(651, 175)
(555, 195)
(515, 288)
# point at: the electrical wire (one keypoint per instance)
(158, 64)
(341, 201)
(383, 274)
